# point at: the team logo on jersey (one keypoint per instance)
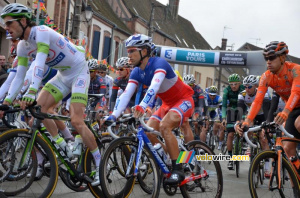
(38, 72)
(185, 106)
(72, 50)
(57, 60)
(60, 43)
(80, 83)
(168, 54)
(148, 96)
(42, 28)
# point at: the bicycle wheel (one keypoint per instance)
(42, 188)
(89, 165)
(289, 182)
(236, 149)
(114, 184)
(210, 186)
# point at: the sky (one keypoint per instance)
(254, 21)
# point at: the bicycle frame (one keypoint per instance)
(35, 129)
(144, 140)
(280, 151)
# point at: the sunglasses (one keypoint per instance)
(92, 71)
(192, 84)
(9, 22)
(248, 87)
(121, 69)
(130, 51)
(212, 95)
(233, 84)
(270, 58)
(102, 72)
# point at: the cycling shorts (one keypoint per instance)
(77, 82)
(290, 123)
(184, 108)
(231, 119)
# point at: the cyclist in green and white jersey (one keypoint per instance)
(52, 49)
(229, 112)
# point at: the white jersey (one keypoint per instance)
(248, 100)
(51, 49)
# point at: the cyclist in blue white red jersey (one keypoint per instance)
(51, 48)
(177, 107)
(213, 112)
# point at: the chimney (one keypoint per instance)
(224, 44)
(174, 6)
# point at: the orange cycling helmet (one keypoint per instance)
(276, 48)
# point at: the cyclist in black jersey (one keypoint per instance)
(199, 101)
(120, 83)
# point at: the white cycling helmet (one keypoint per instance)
(93, 64)
(250, 80)
(189, 79)
(122, 62)
(16, 10)
(138, 40)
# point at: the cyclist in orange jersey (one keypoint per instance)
(284, 78)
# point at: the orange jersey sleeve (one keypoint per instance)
(295, 91)
(260, 95)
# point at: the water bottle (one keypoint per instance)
(77, 145)
(207, 138)
(165, 157)
(63, 145)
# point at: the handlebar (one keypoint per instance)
(264, 125)
(125, 118)
(149, 129)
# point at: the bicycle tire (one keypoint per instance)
(89, 162)
(285, 165)
(236, 152)
(218, 189)
(44, 148)
(126, 144)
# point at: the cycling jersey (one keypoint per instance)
(277, 105)
(286, 84)
(245, 101)
(12, 73)
(95, 85)
(198, 98)
(159, 76)
(106, 85)
(213, 107)
(231, 97)
(52, 49)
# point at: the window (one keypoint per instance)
(209, 82)
(198, 77)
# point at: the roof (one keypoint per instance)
(164, 23)
(103, 10)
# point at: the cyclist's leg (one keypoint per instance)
(179, 113)
(290, 126)
(47, 100)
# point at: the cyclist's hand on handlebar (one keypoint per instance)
(28, 99)
(110, 120)
(138, 111)
(238, 129)
(281, 118)
(2, 112)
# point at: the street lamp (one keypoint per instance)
(88, 13)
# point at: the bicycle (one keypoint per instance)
(37, 137)
(284, 178)
(199, 177)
